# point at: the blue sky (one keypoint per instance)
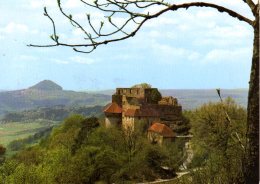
(195, 49)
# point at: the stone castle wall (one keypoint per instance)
(117, 99)
(128, 122)
(134, 92)
(112, 121)
(167, 110)
(168, 101)
(127, 105)
(134, 121)
(131, 92)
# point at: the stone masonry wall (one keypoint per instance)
(112, 121)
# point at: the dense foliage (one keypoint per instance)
(2, 153)
(82, 151)
(56, 113)
(142, 85)
(219, 131)
(20, 144)
(183, 127)
(155, 96)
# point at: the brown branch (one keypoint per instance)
(98, 6)
(54, 37)
(122, 9)
(230, 122)
(219, 8)
(75, 22)
(252, 5)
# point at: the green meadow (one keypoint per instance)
(18, 130)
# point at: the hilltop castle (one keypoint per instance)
(132, 105)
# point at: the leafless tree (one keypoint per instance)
(133, 12)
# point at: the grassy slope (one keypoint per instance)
(19, 130)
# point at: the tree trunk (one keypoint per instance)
(251, 162)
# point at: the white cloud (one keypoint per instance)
(174, 53)
(35, 4)
(154, 34)
(153, 9)
(162, 21)
(75, 39)
(93, 14)
(193, 16)
(80, 16)
(236, 31)
(73, 4)
(194, 56)
(223, 36)
(227, 55)
(206, 14)
(59, 61)
(168, 50)
(184, 27)
(28, 58)
(81, 60)
(25, 58)
(213, 42)
(157, 34)
(17, 28)
(202, 27)
(13, 27)
(77, 32)
(73, 60)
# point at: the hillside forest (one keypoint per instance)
(80, 149)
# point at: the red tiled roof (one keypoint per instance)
(161, 129)
(113, 108)
(143, 112)
(131, 112)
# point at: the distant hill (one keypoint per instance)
(46, 85)
(56, 113)
(193, 98)
(47, 94)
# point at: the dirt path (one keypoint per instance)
(189, 153)
(179, 175)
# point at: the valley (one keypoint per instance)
(20, 130)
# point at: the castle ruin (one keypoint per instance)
(131, 105)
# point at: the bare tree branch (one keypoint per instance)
(219, 8)
(230, 123)
(129, 8)
(251, 4)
